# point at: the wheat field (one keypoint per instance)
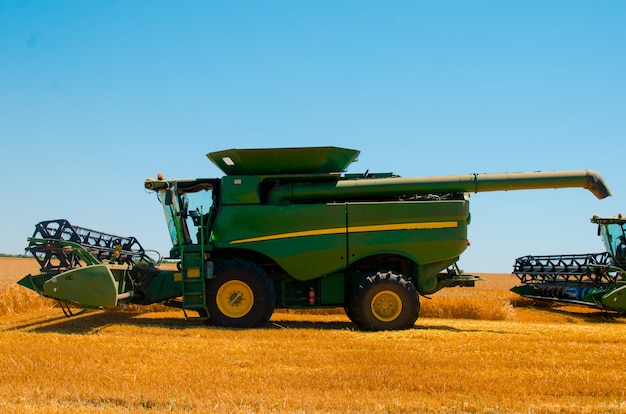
(473, 350)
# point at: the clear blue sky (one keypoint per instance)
(95, 96)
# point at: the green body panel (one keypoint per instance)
(332, 289)
(432, 234)
(311, 240)
(305, 240)
(240, 190)
(91, 286)
(163, 285)
(615, 299)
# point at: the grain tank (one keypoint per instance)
(288, 228)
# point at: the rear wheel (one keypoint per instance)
(384, 301)
(240, 296)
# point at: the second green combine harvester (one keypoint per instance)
(286, 228)
(592, 279)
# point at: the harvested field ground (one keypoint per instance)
(473, 350)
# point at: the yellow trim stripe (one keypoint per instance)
(354, 229)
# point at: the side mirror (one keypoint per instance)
(169, 197)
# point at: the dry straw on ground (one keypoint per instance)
(521, 360)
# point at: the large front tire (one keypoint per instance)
(240, 296)
(384, 301)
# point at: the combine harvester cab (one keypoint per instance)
(593, 279)
(288, 228)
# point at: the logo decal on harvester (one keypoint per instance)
(354, 229)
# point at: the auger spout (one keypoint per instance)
(587, 179)
(396, 186)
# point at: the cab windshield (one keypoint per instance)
(614, 239)
(186, 208)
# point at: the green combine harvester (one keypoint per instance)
(285, 228)
(591, 279)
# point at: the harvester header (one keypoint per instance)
(289, 228)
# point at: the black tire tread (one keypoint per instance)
(360, 302)
(261, 285)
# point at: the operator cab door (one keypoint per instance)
(198, 215)
(613, 234)
(188, 209)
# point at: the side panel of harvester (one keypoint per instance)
(305, 240)
(311, 240)
(431, 234)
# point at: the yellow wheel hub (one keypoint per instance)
(235, 299)
(386, 306)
